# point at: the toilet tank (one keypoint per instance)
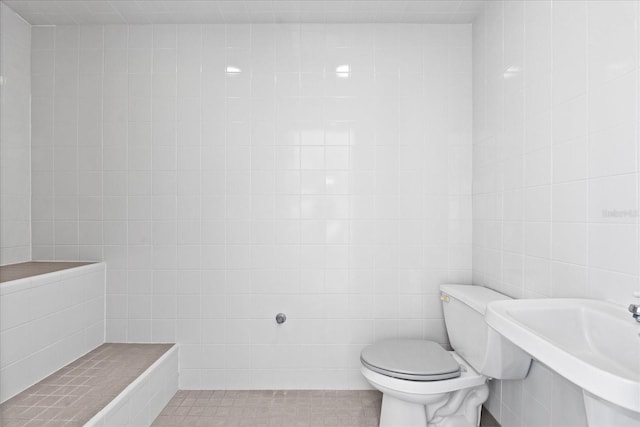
(471, 337)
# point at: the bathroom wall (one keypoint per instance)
(15, 118)
(555, 169)
(228, 173)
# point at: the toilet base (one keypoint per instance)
(396, 413)
(460, 408)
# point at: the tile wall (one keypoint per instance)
(15, 122)
(555, 169)
(228, 173)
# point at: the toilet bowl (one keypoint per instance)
(450, 402)
(423, 384)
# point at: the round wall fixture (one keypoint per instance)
(281, 318)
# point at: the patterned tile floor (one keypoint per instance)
(262, 408)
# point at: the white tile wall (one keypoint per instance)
(555, 170)
(48, 321)
(228, 173)
(15, 121)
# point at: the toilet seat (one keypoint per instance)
(468, 378)
(415, 360)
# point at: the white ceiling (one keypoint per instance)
(58, 12)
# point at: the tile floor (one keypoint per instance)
(487, 420)
(283, 408)
(72, 395)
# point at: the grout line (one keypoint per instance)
(151, 222)
(200, 142)
(251, 184)
(587, 155)
(77, 145)
(53, 147)
(175, 190)
(225, 344)
(637, 135)
(104, 308)
(30, 198)
(551, 158)
(126, 196)
(500, 282)
(524, 144)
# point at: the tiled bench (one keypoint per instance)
(51, 313)
(113, 385)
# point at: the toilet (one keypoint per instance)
(423, 384)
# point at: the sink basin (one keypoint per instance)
(594, 344)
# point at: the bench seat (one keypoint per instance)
(96, 389)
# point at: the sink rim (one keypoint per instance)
(608, 385)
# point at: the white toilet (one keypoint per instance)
(425, 385)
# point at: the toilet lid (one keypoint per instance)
(416, 360)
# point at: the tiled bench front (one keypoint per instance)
(114, 385)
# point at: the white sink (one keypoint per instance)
(594, 344)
